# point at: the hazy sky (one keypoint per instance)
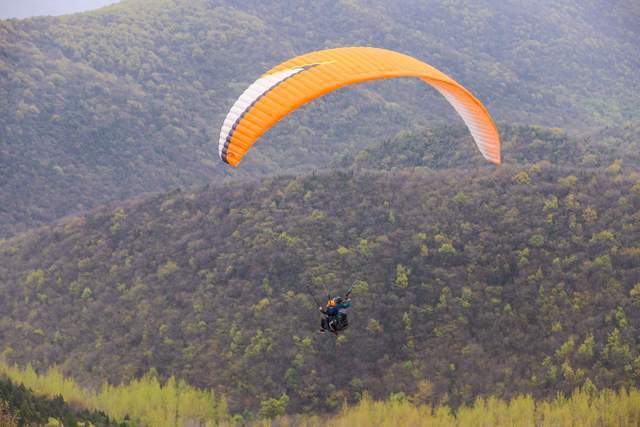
(26, 8)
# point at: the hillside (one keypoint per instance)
(106, 105)
(447, 147)
(20, 406)
(494, 281)
(146, 401)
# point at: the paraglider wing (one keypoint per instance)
(304, 78)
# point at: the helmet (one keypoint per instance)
(338, 300)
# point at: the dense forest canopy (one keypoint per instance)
(147, 402)
(128, 99)
(176, 274)
(446, 147)
(523, 278)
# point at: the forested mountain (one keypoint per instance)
(523, 278)
(178, 289)
(450, 147)
(105, 105)
(147, 402)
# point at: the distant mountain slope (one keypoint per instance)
(452, 147)
(524, 279)
(105, 105)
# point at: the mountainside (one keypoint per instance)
(109, 104)
(494, 281)
(148, 402)
(447, 147)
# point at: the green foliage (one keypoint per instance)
(586, 348)
(363, 248)
(590, 215)
(106, 105)
(402, 276)
(522, 178)
(502, 309)
(272, 408)
(361, 287)
(167, 269)
(584, 407)
(447, 249)
(472, 283)
(568, 182)
(145, 401)
(537, 240)
(176, 403)
(20, 406)
(445, 147)
(35, 278)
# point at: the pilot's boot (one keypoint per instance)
(323, 326)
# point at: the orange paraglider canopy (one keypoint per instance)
(304, 78)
